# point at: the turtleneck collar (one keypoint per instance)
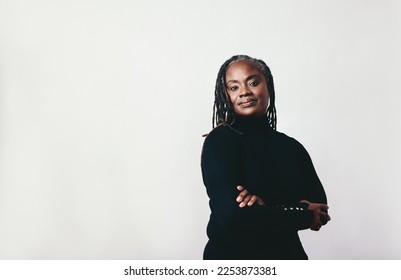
(251, 123)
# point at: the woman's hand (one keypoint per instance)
(246, 199)
(320, 216)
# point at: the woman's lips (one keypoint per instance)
(247, 103)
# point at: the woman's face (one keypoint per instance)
(247, 89)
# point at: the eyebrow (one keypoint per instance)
(247, 79)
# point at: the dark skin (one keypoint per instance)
(249, 95)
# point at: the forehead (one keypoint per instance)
(241, 70)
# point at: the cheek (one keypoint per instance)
(265, 96)
(268, 98)
(231, 97)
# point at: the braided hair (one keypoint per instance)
(223, 110)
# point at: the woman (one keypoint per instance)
(262, 185)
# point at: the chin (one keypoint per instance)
(248, 113)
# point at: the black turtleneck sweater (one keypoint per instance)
(274, 167)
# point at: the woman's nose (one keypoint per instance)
(245, 92)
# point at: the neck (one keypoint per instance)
(257, 122)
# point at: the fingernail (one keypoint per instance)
(241, 204)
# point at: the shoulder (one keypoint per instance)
(286, 139)
(222, 132)
(288, 142)
(222, 136)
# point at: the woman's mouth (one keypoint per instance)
(247, 103)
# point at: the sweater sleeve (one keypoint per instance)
(314, 188)
(221, 171)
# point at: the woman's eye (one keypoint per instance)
(233, 88)
(254, 83)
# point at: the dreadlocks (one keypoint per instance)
(223, 111)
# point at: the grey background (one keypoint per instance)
(103, 104)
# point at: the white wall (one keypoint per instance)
(103, 104)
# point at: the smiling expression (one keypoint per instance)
(247, 89)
